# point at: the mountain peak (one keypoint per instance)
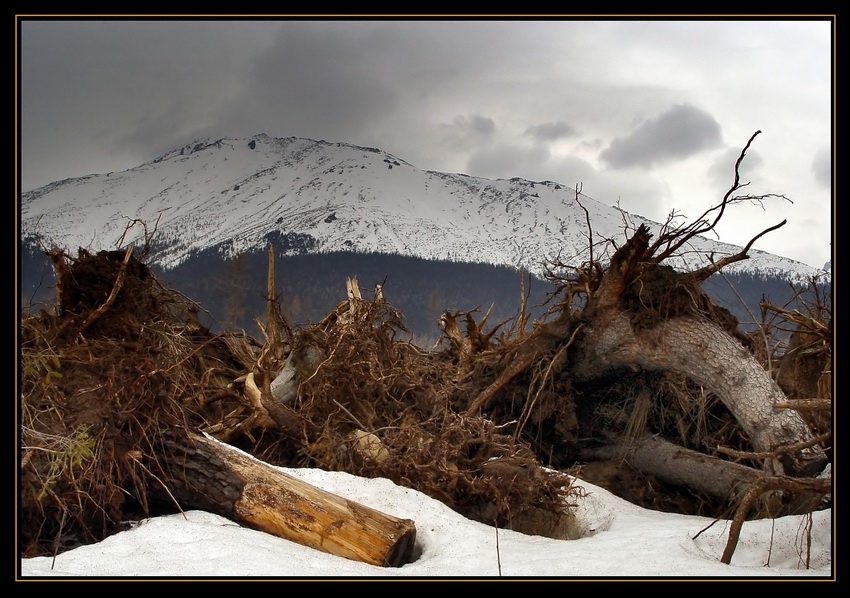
(238, 194)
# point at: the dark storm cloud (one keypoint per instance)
(124, 91)
(675, 135)
(483, 125)
(136, 89)
(359, 82)
(467, 135)
(317, 81)
(551, 131)
(822, 167)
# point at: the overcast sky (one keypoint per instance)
(650, 114)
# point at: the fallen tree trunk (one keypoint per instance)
(712, 358)
(210, 475)
(672, 464)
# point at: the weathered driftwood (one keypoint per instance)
(210, 475)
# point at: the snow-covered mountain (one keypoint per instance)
(234, 195)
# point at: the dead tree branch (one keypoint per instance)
(768, 484)
(673, 240)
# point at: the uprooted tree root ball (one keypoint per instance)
(98, 387)
(377, 408)
(124, 360)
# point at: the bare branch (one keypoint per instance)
(147, 237)
(587, 219)
(672, 239)
(784, 449)
(704, 273)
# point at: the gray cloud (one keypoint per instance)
(494, 162)
(480, 126)
(822, 167)
(318, 80)
(102, 95)
(721, 173)
(468, 133)
(674, 135)
(551, 131)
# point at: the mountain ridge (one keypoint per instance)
(236, 193)
(209, 210)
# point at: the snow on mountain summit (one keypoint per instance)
(237, 194)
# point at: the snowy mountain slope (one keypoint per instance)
(237, 194)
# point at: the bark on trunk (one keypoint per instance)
(206, 474)
(702, 351)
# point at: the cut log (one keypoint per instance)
(206, 474)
